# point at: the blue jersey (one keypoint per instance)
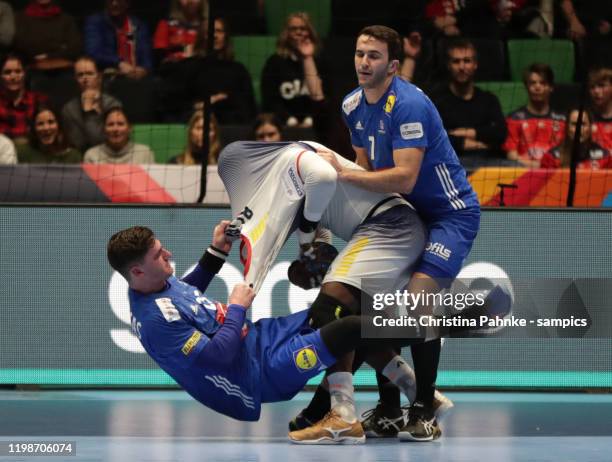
(405, 117)
(174, 325)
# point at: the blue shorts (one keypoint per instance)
(291, 361)
(448, 244)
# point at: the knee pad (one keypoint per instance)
(326, 309)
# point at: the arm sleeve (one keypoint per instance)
(512, 140)
(493, 132)
(222, 349)
(93, 34)
(205, 270)
(7, 25)
(319, 184)
(144, 51)
(410, 126)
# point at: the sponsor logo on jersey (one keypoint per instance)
(596, 154)
(295, 182)
(306, 358)
(191, 342)
(381, 127)
(411, 130)
(292, 185)
(358, 125)
(439, 250)
(390, 103)
(351, 103)
(168, 310)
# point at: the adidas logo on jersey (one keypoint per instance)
(358, 125)
(438, 249)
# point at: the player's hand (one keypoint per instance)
(242, 294)
(330, 156)
(219, 239)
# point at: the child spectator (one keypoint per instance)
(83, 116)
(117, 147)
(47, 143)
(17, 104)
(535, 128)
(590, 154)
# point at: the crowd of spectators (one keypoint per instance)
(75, 76)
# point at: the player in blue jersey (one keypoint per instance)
(219, 357)
(398, 137)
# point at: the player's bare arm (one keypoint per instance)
(400, 178)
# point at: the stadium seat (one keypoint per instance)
(491, 58)
(511, 95)
(318, 10)
(253, 51)
(165, 140)
(559, 54)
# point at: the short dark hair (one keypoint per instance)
(387, 35)
(543, 70)
(127, 247)
(461, 44)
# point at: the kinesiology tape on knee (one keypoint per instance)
(326, 309)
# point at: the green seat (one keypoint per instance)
(165, 140)
(318, 10)
(253, 51)
(511, 95)
(558, 54)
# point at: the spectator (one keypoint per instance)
(292, 79)
(267, 128)
(535, 128)
(176, 36)
(17, 104)
(119, 42)
(47, 143)
(587, 18)
(46, 36)
(226, 81)
(117, 147)
(590, 154)
(472, 117)
(7, 25)
(600, 91)
(444, 16)
(83, 116)
(195, 140)
(8, 155)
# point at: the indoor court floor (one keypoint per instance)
(168, 426)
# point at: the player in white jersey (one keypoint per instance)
(267, 182)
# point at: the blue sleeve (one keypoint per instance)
(144, 50)
(222, 349)
(411, 127)
(94, 38)
(205, 270)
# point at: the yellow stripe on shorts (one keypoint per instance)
(350, 256)
(259, 229)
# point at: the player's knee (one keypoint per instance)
(326, 309)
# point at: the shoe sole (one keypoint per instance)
(326, 440)
(373, 434)
(406, 436)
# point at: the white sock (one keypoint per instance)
(402, 375)
(341, 393)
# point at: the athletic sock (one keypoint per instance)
(398, 372)
(318, 406)
(341, 392)
(390, 395)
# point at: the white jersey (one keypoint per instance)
(268, 183)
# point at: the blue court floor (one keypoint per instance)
(168, 426)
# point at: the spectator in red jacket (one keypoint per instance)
(17, 104)
(600, 91)
(590, 154)
(535, 128)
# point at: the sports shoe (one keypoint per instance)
(441, 406)
(384, 422)
(330, 430)
(299, 422)
(421, 426)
